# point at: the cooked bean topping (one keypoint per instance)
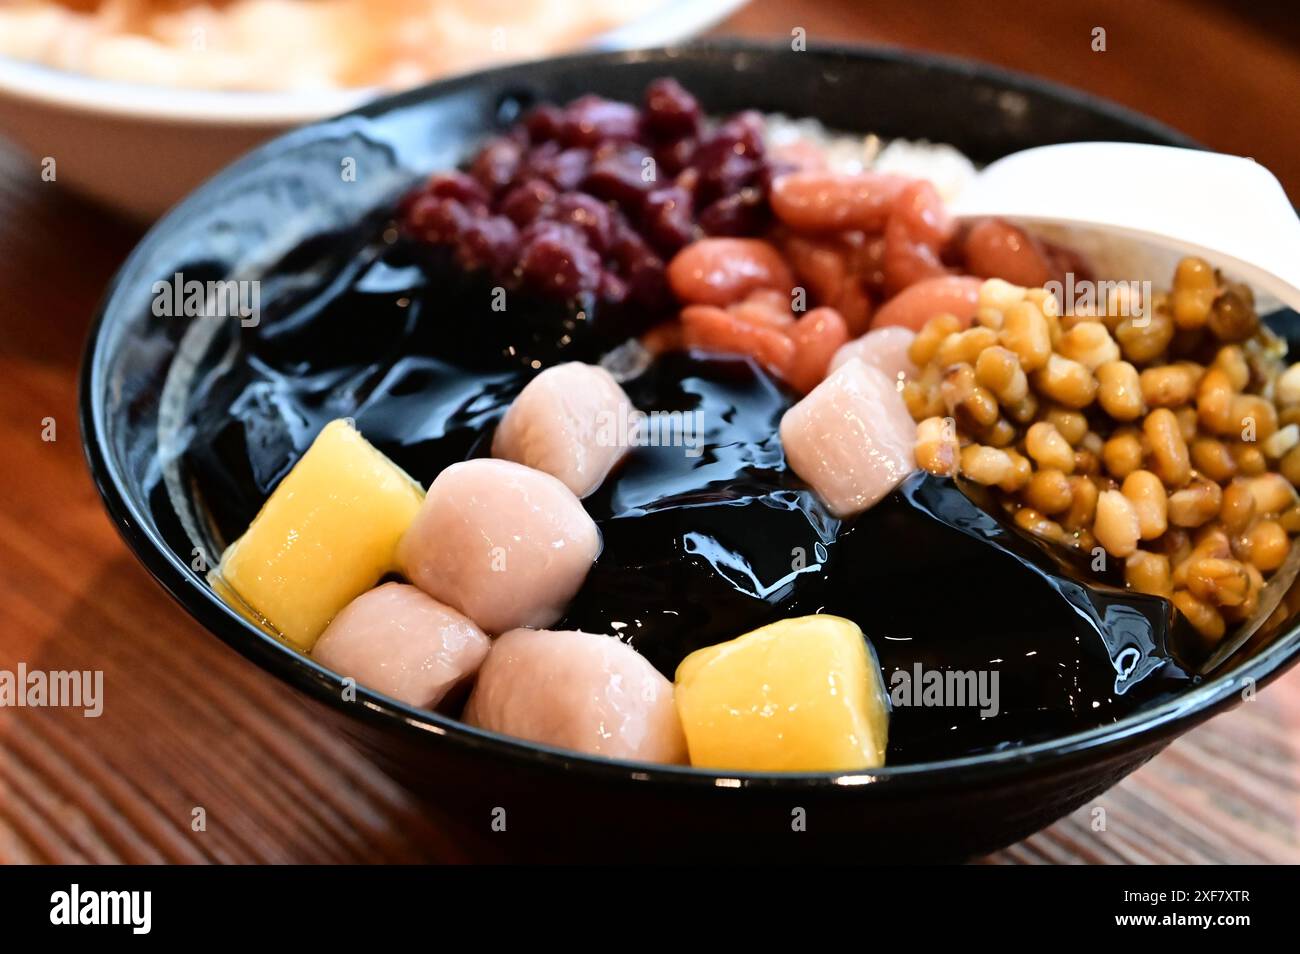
(591, 199)
(1176, 431)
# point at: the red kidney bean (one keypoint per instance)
(816, 336)
(914, 306)
(674, 157)
(829, 201)
(855, 307)
(919, 227)
(820, 263)
(714, 329)
(721, 271)
(765, 306)
(833, 270)
(868, 262)
(997, 249)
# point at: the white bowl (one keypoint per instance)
(139, 149)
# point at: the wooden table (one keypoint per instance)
(187, 724)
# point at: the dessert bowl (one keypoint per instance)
(287, 202)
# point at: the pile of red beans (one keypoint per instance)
(591, 199)
(776, 256)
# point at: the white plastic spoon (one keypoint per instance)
(1228, 210)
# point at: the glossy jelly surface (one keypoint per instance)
(707, 534)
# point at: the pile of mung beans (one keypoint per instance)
(1164, 433)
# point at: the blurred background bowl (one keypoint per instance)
(138, 149)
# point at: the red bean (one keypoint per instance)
(487, 243)
(588, 214)
(640, 268)
(437, 220)
(722, 172)
(620, 176)
(557, 258)
(666, 216)
(914, 306)
(590, 120)
(544, 122)
(741, 213)
(565, 169)
(741, 134)
(527, 202)
(458, 186)
(670, 111)
(633, 185)
(729, 159)
(496, 166)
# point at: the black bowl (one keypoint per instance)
(556, 803)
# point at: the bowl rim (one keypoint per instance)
(1151, 727)
(40, 84)
(50, 86)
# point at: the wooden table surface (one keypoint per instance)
(187, 724)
